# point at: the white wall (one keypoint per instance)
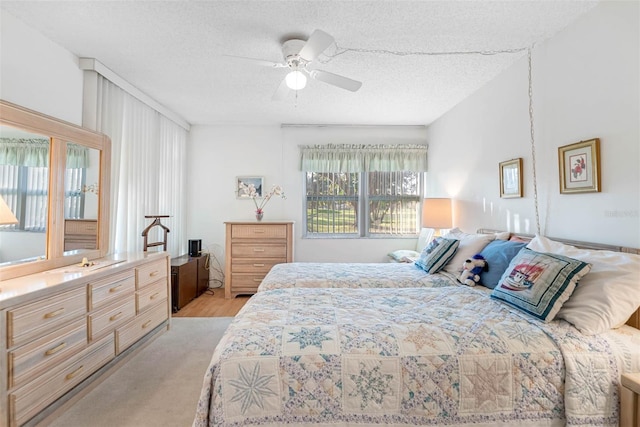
(38, 74)
(585, 85)
(217, 154)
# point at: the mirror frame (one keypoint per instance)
(60, 133)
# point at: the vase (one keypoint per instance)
(259, 216)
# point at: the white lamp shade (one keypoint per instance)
(436, 213)
(296, 80)
(6, 216)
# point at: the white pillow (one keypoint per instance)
(607, 296)
(470, 244)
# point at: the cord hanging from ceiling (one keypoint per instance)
(533, 145)
(342, 50)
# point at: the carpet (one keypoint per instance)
(159, 386)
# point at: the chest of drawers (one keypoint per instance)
(63, 325)
(251, 249)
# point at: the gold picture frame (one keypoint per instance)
(511, 178)
(579, 167)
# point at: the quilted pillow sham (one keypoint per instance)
(470, 244)
(437, 254)
(607, 296)
(539, 283)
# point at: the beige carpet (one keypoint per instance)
(159, 386)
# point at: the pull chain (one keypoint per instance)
(533, 146)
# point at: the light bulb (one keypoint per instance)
(296, 80)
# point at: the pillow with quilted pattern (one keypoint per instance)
(539, 283)
(437, 254)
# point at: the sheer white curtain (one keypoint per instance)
(148, 169)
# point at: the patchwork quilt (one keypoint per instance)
(352, 275)
(404, 357)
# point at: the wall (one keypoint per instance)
(585, 85)
(217, 154)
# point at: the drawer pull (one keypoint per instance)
(257, 280)
(115, 289)
(259, 231)
(74, 373)
(54, 313)
(115, 316)
(154, 296)
(258, 249)
(55, 349)
(258, 265)
(154, 273)
(145, 324)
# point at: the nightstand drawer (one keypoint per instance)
(32, 320)
(258, 231)
(257, 250)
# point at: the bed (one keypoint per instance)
(432, 353)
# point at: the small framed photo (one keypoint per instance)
(511, 178)
(580, 167)
(249, 187)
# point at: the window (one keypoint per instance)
(363, 190)
(26, 194)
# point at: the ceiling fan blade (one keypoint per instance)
(256, 61)
(282, 91)
(336, 80)
(318, 42)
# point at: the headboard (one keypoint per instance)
(634, 320)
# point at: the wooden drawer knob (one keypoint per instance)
(54, 313)
(55, 349)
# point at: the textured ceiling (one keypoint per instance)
(173, 51)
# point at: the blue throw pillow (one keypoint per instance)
(498, 255)
(437, 254)
(539, 283)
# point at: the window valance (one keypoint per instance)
(363, 158)
(34, 152)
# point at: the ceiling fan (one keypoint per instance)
(298, 55)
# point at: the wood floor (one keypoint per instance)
(213, 304)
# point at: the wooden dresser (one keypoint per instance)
(80, 234)
(65, 327)
(251, 249)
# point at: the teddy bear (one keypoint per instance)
(472, 269)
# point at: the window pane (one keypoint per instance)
(332, 203)
(393, 202)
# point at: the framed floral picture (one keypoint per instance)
(579, 166)
(511, 178)
(249, 187)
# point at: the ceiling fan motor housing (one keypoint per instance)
(291, 50)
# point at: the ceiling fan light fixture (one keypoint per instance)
(296, 80)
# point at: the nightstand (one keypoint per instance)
(630, 400)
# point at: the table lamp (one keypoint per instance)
(6, 216)
(436, 214)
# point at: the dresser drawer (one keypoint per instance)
(246, 282)
(258, 231)
(81, 227)
(104, 291)
(151, 295)
(34, 319)
(26, 402)
(259, 266)
(39, 356)
(108, 318)
(151, 273)
(256, 250)
(140, 326)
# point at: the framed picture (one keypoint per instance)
(580, 167)
(511, 178)
(246, 185)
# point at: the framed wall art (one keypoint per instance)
(580, 167)
(511, 178)
(248, 187)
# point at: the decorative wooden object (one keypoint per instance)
(156, 222)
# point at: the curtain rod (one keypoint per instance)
(293, 125)
(92, 64)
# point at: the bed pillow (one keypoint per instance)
(498, 255)
(437, 254)
(403, 255)
(470, 244)
(539, 283)
(607, 296)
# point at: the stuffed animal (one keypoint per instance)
(472, 269)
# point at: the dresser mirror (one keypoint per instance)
(54, 179)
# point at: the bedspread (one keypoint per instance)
(351, 275)
(411, 356)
